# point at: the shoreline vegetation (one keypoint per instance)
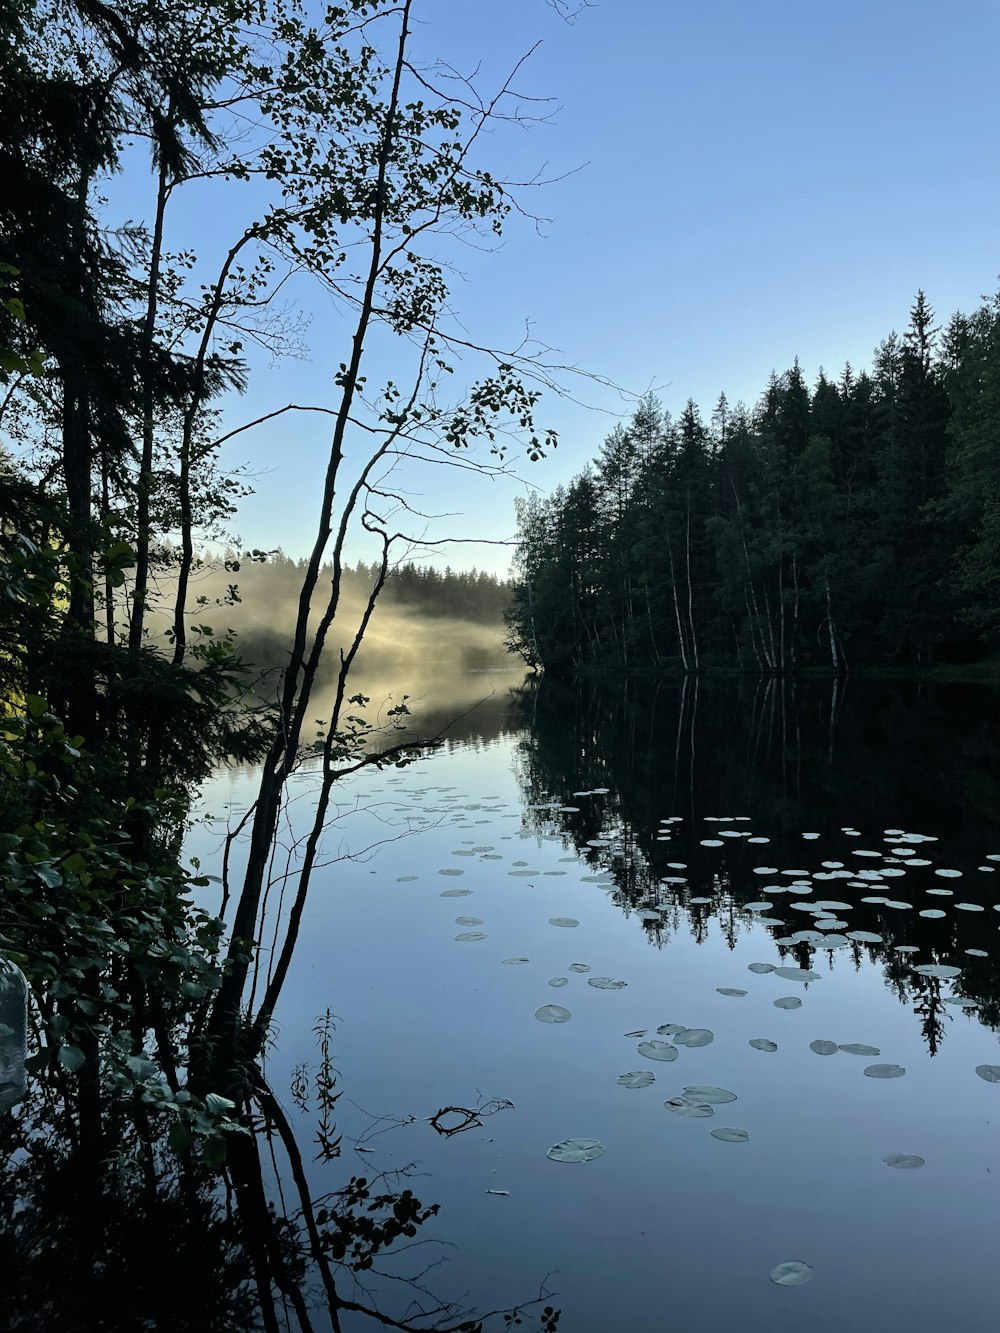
(324, 151)
(851, 524)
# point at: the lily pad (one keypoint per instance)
(943, 970)
(606, 983)
(558, 981)
(977, 953)
(639, 1078)
(579, 967)
(730, 990)
(792, 1273)
(469, 935)
(763, 1044)
(694, 1110)
(705, 1094)
(455, 893)
(788, 1002)
(694, 1037)
(824, 1047)
(516, 962)
(553, 1013)
(859, 1048)
(932, 913)
(575, 1150)
(802, 974)
(670, 1029)
(864, 936)
(760, 968)
(990, 1073)
(904, 1161)
(731, 1135)
(658, 1050)
(563, 921)
(468, 921)
(885, 1071)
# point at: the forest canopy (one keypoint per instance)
(854, 523)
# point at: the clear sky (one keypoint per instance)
(751, 182)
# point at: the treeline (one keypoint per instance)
(856, 523)
(470, 595)
(422, 615)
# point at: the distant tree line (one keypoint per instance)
(470, 595)
(853, 524)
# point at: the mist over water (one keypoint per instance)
(411, 643)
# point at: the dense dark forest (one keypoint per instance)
(848, 525)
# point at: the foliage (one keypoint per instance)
(853, 524)
(344, 161)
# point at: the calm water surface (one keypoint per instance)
(687, 835)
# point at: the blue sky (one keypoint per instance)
(750, 182)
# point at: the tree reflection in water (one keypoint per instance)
(778, 757)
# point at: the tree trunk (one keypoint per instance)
(144, 486)
(677, 605)
(690, 605)
(830, 626)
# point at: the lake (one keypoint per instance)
(742, 935)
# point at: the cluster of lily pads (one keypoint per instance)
(827, 931)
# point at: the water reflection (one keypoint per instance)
(731, 832)
(743, 803)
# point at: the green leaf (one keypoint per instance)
(71, 1058)
(214, 1152)
(215, 1104)
(180, 1139)
(141, 1067)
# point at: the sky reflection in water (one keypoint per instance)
(671, 1227)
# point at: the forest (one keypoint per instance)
(851, 525)
(136, 1117)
